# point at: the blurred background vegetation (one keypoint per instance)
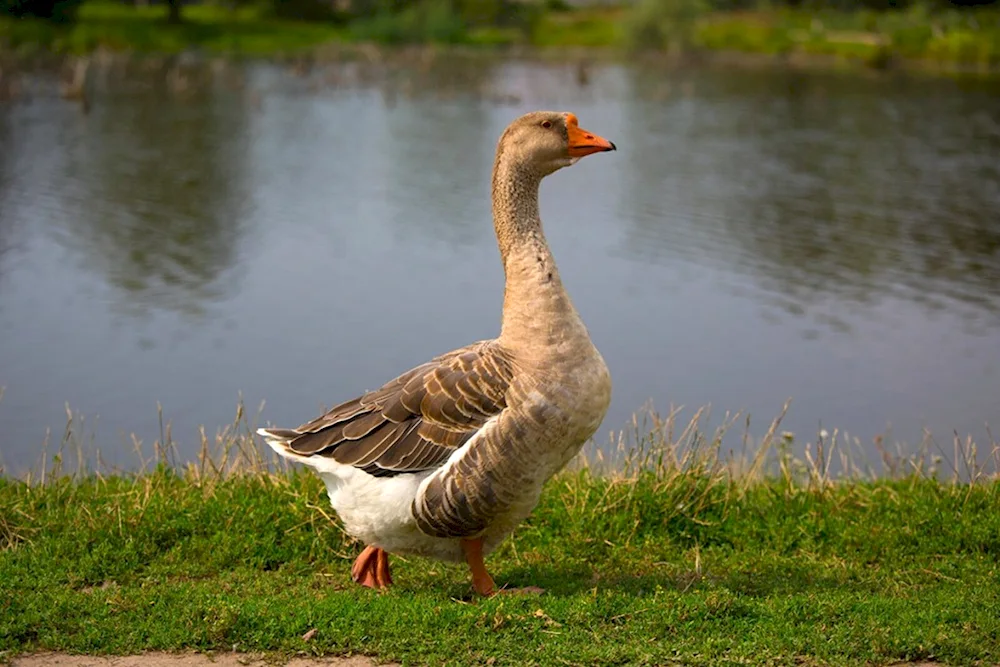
(874, 32)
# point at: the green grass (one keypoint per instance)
(674, 559)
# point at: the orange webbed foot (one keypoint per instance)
(371, 568)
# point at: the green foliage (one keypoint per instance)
(740, 34)
(480, 12)
(245, 30)
(420, 22)
(557, 5)
(305, 10)
(443, 21)
(965, 46)
(920, 32)
(657, 24)
(592, 28)
(923, 31)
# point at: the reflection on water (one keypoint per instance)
(830, 189)
(7, 176)
(159, 198)
(301, 236)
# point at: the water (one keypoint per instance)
(759, 235)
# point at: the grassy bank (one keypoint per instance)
(967, 39)
(674, 559)
(962, 38)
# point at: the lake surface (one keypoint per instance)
(300, 237)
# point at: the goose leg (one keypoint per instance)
(382, 576)
(482, 582)
(371, 568)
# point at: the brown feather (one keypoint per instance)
(365, 451)
(363, 425)
(415, 421)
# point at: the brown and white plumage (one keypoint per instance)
(448, 458)
(413, 424)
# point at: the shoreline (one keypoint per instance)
(376, 58)
(341, 51)
(747, 39)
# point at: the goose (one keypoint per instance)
(445, 460)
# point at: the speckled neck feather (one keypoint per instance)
(515, 202)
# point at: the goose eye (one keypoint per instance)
(546, 124)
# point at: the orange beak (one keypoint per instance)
(583, 143)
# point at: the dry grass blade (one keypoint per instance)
(12, 535)
(233, 451)
(665, 446)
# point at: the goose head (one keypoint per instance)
(550, 140)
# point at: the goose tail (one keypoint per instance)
(278, 439)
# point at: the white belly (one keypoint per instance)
(377, 511)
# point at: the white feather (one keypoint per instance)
(374, 510)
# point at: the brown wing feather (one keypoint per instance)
(415, 421)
